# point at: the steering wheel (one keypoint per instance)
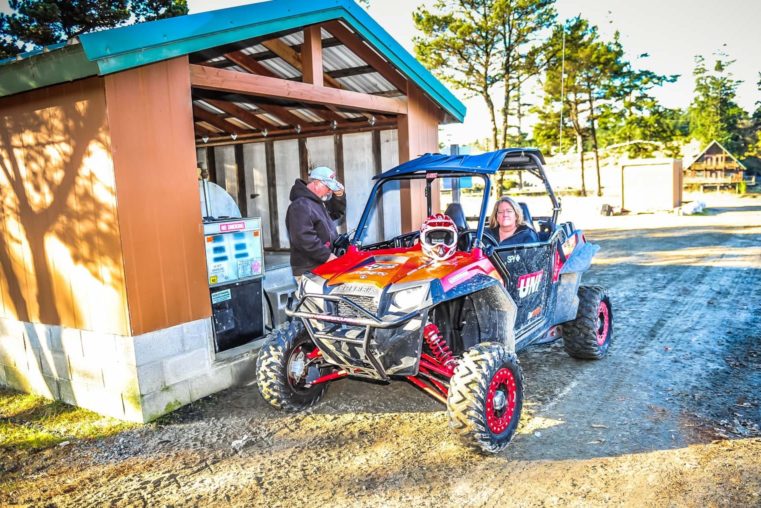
(469, 235)
(489, 240)
(406, 240)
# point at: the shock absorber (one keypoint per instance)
(438, 346)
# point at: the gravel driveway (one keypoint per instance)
(670, 417)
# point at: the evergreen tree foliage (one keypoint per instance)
(487, 48)
(603, 99)
(36, 23)
(714, 112)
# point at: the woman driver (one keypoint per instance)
(507, 225)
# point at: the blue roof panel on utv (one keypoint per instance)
(486, 163)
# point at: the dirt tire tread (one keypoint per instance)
(467, 395)
(580, 335)
(271, 365)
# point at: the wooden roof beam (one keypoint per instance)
(203, 131)
(327, 114)
(216, 120)
(309, 62)
(293, 58)
(241, 114)
(363, 51)
(288, 132)
(245, 61)
(282, 113)
(204, 57)
(208, 78)
(352, 71)
(311, 56)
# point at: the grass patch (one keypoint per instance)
(29, 421)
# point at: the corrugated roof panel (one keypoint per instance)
(208, 107)
(307, 115)
(349, 115)
(246, 105)
(252, 50)
(340, 57)
(297, 38)
(281, 68)
(366, 83)
(209, 126)
(240, 123)
(271, 119)
(294, 39)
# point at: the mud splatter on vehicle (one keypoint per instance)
(445, 307)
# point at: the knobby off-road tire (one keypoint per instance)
(589, 335)
(284, 347)
(486, 397)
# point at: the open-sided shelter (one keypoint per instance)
(104, 294)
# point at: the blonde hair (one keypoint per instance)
(519, 219)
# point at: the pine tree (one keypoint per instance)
(486, 47)
(37, 23)
(460, 44)
(714, 113)
(524, 53)
(601, 97)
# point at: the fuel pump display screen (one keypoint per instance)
(233, 251)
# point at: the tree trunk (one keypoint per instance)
(505, 115)
(580, 148)
(492, 117)
(508, 48)
(497, 188)
(574, 117)
(594, 142)
(519, 110)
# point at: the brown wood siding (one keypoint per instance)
(418, 135)
(60, 254)
(151, 119)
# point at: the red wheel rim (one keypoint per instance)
(502, 393)
(603, 323)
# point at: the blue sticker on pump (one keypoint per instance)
(221, 296)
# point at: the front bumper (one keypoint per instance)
(362, 343)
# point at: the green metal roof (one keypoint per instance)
(118, 49)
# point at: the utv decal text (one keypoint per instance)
(529, 283)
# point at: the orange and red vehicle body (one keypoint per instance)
(373, 311)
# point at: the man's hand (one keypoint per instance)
(338, 193)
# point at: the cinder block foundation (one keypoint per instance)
(131, 378)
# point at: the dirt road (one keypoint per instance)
(670, 418)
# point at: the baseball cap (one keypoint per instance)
(326, 176)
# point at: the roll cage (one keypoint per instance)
(433, 166)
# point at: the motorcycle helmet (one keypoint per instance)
(438, 237)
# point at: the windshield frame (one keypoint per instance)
(429, 177)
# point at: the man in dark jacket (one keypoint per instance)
(310, 217)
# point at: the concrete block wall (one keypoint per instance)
(132, 378)
(91, 370)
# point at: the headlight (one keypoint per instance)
(409, 298)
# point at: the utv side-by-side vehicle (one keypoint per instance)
(444, 307)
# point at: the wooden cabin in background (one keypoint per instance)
(714, 168)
